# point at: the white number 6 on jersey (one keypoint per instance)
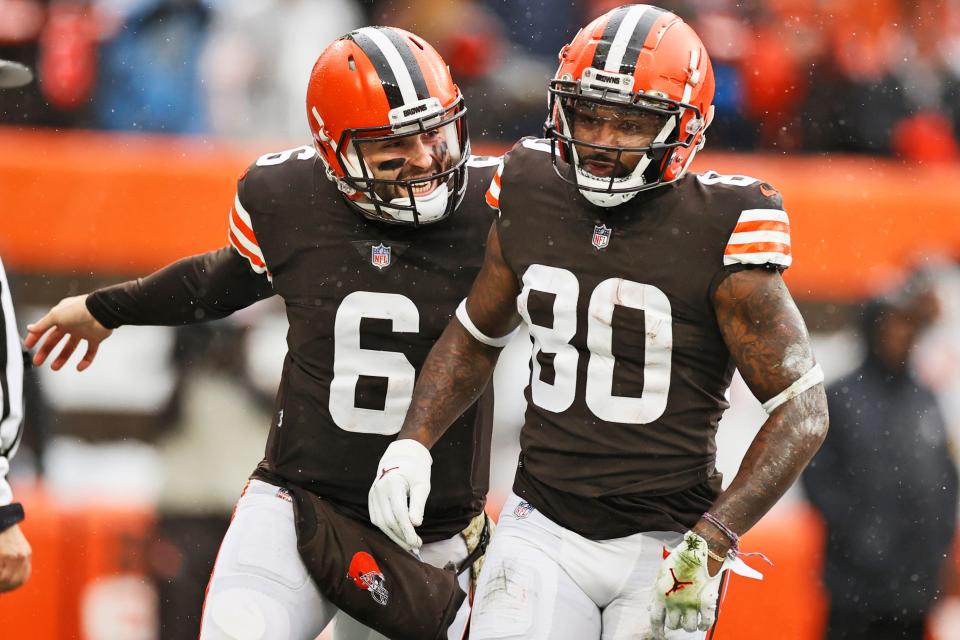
(350, 361)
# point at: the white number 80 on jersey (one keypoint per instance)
(559, 395)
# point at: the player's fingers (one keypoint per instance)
(381, 508)
(657, 615)
(7, 574)
(707, 618)
(708, 613)
(50, 341)
(88, 357)
(372, 508)
(382, 505)
(418, 502)
(399, 506)
(377, 508)
(36, 330)
(19, 571)
(688, 620)
(673, 618)
(393, 536)
(65, 353)
(25, 570)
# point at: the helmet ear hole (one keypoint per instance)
(351, 63)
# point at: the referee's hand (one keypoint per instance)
(15, 556)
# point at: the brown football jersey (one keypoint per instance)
(365, 302)
(629, 368)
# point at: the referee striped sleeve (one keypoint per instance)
(11, 386)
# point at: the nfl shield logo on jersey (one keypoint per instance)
(601, 236)
(380, 256)
(522, 510)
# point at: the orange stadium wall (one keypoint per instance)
(121, 204)
(126, 204)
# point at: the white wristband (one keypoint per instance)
(478, 335)
(811, 378)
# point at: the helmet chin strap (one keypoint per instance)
(430, 207)
(605, 199)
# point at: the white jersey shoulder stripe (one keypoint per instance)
(769, 257)
(754, 215)
(537, 145)
(484, 161)
(748, 237)
(494, 190)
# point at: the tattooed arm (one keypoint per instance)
(459, 366)
(769, 344)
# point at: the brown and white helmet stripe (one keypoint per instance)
(624, 36)
(395, 63)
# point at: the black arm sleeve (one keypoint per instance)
(204, 287)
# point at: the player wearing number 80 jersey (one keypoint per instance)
(371, 237)
(643, 287)
(629, 365)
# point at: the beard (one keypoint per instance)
(604, 165)
(389, 192)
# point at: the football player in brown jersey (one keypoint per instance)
(372, 236)
(643, 287)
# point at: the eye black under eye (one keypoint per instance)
(391, 165)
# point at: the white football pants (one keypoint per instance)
(260, 589)
(541, 581)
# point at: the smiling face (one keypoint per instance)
(417, 155)
(612, 126)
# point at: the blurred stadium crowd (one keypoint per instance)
(792, 74)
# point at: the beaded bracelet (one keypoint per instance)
(734, 550)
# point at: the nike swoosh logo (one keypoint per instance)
(384, 472)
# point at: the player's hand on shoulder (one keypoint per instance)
(15, 554)
(69, 319)
(399, 493)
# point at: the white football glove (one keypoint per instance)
(684, 594)
(403, 473)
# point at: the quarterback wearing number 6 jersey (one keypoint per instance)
(372, 237)
(643, 287)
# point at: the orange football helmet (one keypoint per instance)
(634, 57)
(382, 86)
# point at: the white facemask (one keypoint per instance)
(430, 207)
